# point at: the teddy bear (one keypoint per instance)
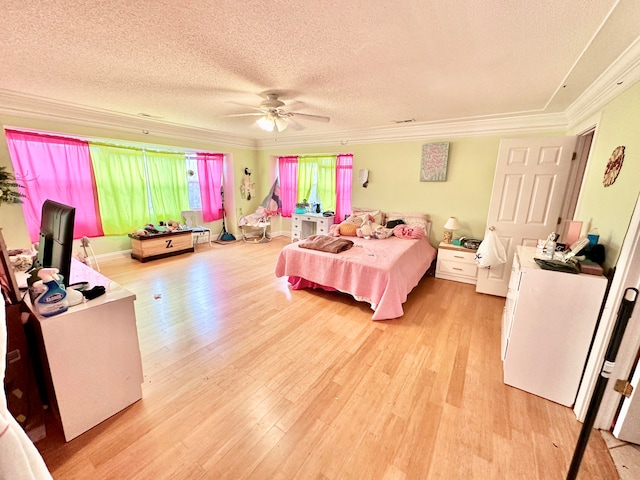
(370, 229)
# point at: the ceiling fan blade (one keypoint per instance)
(252, 107)
(257, 114)
(294, 125)
(317, 118)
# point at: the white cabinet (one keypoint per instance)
(306, 224)
(548, 323)
(91, 355)
(456, 263)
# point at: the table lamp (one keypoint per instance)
(451, 225)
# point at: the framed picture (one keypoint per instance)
(433, 164)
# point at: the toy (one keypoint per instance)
(172, 225)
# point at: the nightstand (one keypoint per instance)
(456, 263)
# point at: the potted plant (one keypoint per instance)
(9, 192)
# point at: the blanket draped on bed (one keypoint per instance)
(379, 272)
(325, 243)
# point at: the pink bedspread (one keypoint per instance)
(380, 272)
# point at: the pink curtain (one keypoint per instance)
(59, 169)
(344, 181)
(288, 174)
(210, 176)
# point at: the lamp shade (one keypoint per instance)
(270, 122)
(281, 123)
(265, 123)
(452, 224)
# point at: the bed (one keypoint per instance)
(380, 272)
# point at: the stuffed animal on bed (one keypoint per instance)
(370, 229)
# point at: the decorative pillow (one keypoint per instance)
(348, 229)
(354, 219)
(411, 233)
(378, 216)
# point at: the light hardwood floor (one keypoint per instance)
(245, 379)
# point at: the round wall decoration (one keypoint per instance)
(613, 166)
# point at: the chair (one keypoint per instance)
(193, 221)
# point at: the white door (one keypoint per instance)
(627, 423)
(627, 426)
(528, 190)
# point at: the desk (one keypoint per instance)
(91, 355)
(306, 224)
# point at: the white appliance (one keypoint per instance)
(548, 323)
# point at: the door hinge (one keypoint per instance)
(623, 387)
(574, 156)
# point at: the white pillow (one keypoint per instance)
(378, 216)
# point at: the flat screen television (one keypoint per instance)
(56, 238)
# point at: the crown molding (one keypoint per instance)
(33, 107)
(507, 125)
(621, 74)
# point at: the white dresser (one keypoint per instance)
(547, 326)
(456, 263)
(306, 224)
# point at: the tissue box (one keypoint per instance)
(590, 268)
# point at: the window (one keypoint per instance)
(115, 189)
(323, 179)
(193, 184)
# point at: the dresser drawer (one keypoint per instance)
(457, 268)
(457, 256)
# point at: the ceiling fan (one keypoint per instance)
(274, 117)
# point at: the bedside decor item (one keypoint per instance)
(433, 165)
(451, 225)
(613, 166)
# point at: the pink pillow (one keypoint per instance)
(408, 232)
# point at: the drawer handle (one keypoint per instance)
(458, 256)
(459, 269)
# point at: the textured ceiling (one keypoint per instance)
(365, 64)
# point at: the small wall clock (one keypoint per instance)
(613, 166)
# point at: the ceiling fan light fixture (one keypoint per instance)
(281, 123)
(266, 123)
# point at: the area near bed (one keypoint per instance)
(380, 272)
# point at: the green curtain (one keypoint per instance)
(168, 188)
(327, 182)
(307, 168)
(318, 171)
(121, 188)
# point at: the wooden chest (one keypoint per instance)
(145, 248)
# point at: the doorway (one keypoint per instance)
(574, 184)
